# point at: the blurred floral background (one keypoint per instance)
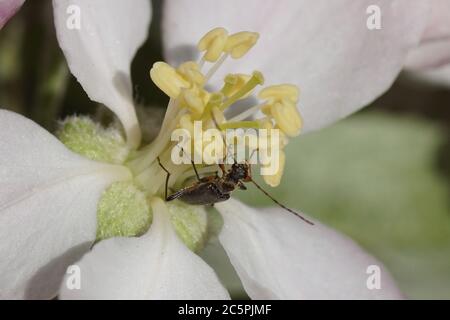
(382, 176)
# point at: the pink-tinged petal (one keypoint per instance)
(278, 256)
(8, 8)
(429, 55)
(434, 49)
(322, 46)
(100, 51)
(155, 266)
(48, 201)
(438, 26)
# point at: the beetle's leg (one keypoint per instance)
(193, 165)
(167, 178)
(195, 169)
(222, 167)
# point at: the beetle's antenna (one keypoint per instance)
(281, 205)
(253, 152)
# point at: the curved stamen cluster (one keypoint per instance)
(190, 101)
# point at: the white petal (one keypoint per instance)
(99, 53)
(278, 256)
(322, 46)
(7, 9)
(155, 266)
(48, 199)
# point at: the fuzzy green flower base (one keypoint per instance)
(190, 223)
(123, 211)
(85, 137)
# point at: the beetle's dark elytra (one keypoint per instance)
(202, 193)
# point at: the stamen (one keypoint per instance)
(274, 180)
(191, 72)
(281, 103)
(266, 123)
(247, 113)
(201, 63)
(233, 83)
(171, 111)
(230, 82)
(149, 155)
(168, 79)
(216, 67)
(219, 117)
(240, 124)
(186, 123)
(193, 101)
(214, 101)
(280, 92)
(213, 43)
(287, 117)
(240, 43)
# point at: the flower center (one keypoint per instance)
(124, 209)
(190, 101)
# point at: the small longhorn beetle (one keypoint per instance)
(213, 189)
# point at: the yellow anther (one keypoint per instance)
(213, 43)
(257, 78)
(274, 179)
(214, 101)
(230, 81)
(168, 79)
(233, 83)
(193, 101)
(280, 92)
(287, 117)
(240, 43)
(191, 72)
